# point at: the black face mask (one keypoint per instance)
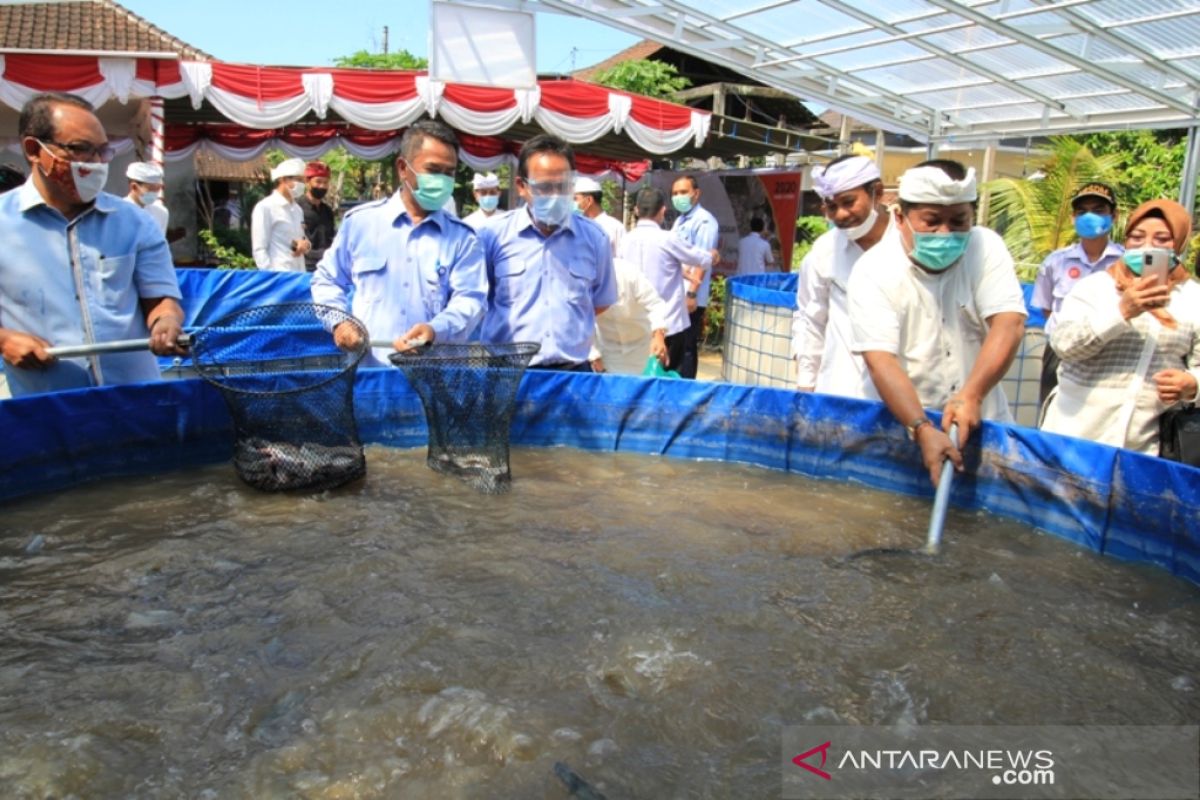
(317, 193)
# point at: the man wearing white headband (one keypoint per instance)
(589, 198)
(145, 191)
(277, 237)
(851, 196)
(937, 312)
(487, 194)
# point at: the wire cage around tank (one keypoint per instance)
(469, 393)
(290, 392)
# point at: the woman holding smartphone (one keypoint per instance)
(1129, 337)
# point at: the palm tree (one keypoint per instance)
(1034, 216)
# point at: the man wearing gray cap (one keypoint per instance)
(145, 191)
(277, 224)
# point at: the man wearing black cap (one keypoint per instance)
(1094, 208)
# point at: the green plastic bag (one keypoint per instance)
(655, 369)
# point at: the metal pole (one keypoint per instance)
(1191, 166)
(989, 170)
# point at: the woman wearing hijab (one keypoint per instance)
(1129, 342)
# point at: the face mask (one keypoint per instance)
(148, 198)
(551, 210)
(1091, 225)
(1136, 259)
(575, 206)
(432, 190)
(489, 202)
(938, 252)
(89, 179)
(297, 189)
(318, 193)
(859, 231)
(682, 203)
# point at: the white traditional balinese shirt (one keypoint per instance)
(934, 324)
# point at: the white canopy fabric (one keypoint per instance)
(943, 70)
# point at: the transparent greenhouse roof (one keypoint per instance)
(943, 70)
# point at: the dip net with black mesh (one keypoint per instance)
(290, 391)
(469, 393)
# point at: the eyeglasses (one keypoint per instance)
(85, 151)
(563, 185)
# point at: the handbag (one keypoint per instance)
(1179, 435)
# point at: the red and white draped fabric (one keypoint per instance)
(269, 98)
(237, 143)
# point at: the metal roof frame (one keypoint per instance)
(962, 71)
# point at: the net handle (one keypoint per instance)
(101, 348)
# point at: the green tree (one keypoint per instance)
(1149, 163)
(1034, 216)
(643, 76)
(402, 59)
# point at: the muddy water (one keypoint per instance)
(652, 623)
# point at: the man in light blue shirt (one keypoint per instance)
(699, 228)
(416, 271)
(1094, 210)
(550, 271)
(78, 265)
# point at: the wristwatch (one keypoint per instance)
(691, 295)
(915, 426)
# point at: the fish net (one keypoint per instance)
(290, 391)
(469, 393)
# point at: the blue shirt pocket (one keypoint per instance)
(511, 281)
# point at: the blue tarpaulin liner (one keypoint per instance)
(1129, 505)
(779, 289)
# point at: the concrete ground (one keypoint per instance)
(709, 368)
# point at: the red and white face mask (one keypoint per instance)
(84, 178)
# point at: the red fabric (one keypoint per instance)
(574, 98)
(52, 73)
(262, 83)
(659, 115)
(316, 169)
(486, 146)
(479, 98)
(373, 86)
(594, 165)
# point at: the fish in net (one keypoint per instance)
(290, 392)
(469, 393)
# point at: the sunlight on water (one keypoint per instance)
(652, 623)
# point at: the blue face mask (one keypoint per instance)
(1136, 259)
(682, 203)
(489, 202)
(432, 190)
(552, 210)
(938, 252)
(1091, 225)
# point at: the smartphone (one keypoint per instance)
(1157, 262)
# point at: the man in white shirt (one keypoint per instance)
(277, 225)
(754, 251)
(851, 194)
(633, 328)
(661, 255)
(145, 191)
(588, 197)
(487, 194)
(937, 312)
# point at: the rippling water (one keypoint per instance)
(653, 623)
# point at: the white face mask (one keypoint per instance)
(297, 189)
(148, 197)
(859, 231)
(89, 179)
